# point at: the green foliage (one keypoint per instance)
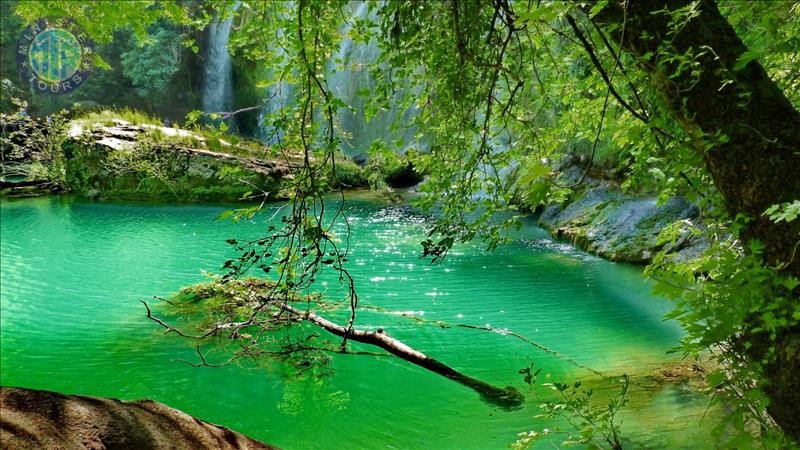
(596, 424)
(107, 116)
(785, 212)
(102, 19)
(10, 83)
(385, 168)
(159, 73)
(734, 306)
(33, 149)
(349, 174)
(771, 31)
(206, 305)
(152, 63)
(156, 169)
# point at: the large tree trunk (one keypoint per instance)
(759, 163)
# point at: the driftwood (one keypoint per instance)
(507, 397)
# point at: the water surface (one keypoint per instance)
(72, 274)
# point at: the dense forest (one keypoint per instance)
(398, 188)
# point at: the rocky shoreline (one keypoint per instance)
(602, 219)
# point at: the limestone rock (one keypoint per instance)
(622, 227)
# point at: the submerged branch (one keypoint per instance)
(503, 331)
(507, 397)
(166, 326)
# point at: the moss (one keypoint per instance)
(184, 189)
(233, 300)
(153, 173)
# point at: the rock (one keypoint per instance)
(126, 131)
(27, 188)
(622, 227)
(32, 419)
(114, 160)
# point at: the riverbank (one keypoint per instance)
(103, 156)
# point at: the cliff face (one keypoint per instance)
(31, 419)
(603, 220)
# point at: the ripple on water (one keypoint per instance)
(73, 274)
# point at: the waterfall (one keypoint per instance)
(349, 81)
(281, 97)
(218, 77)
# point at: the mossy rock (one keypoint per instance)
(164, 173)
(603, 220)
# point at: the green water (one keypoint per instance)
(72, 275)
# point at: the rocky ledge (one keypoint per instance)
(603, 220)
(124, 160)
(31, 419)
(113, 159)
(124, 136)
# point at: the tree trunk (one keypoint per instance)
(507, 397)
(755, 167)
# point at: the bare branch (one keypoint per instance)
(505, 397)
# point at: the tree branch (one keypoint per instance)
(507, 397)
(601, 70)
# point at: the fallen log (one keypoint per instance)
(508, 397)
(258, 299)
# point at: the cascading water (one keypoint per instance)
(349, 79)
(218, 76)
(280, 98)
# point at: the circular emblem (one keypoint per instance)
(54, 56)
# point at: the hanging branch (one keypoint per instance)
(590, 51)
(610, 91)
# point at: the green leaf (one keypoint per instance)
(599, 6)
(224, 215)
(99, 62)
(744, 59)
(755, 246)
